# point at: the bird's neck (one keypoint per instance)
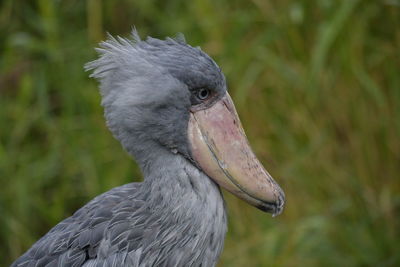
(172, 175)
(192, 201)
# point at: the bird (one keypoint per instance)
(168, 105)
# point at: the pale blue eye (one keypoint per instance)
(203, 94)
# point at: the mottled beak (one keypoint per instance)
(221, 149)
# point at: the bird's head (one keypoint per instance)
(166, 94)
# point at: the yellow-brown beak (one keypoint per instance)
(221, 149)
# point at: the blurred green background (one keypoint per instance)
(317, 86)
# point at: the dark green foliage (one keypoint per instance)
(317, 85)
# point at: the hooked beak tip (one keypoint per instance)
(275, 208)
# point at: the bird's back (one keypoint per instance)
(87, 237)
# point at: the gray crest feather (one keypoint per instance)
(180, 38)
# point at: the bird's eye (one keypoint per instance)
(203, 94)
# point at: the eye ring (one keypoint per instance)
(203, 94)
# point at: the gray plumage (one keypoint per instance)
(176, 217)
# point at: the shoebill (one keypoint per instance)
(167, 103)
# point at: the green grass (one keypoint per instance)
(317, 86)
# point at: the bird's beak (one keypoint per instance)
(221, 149)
